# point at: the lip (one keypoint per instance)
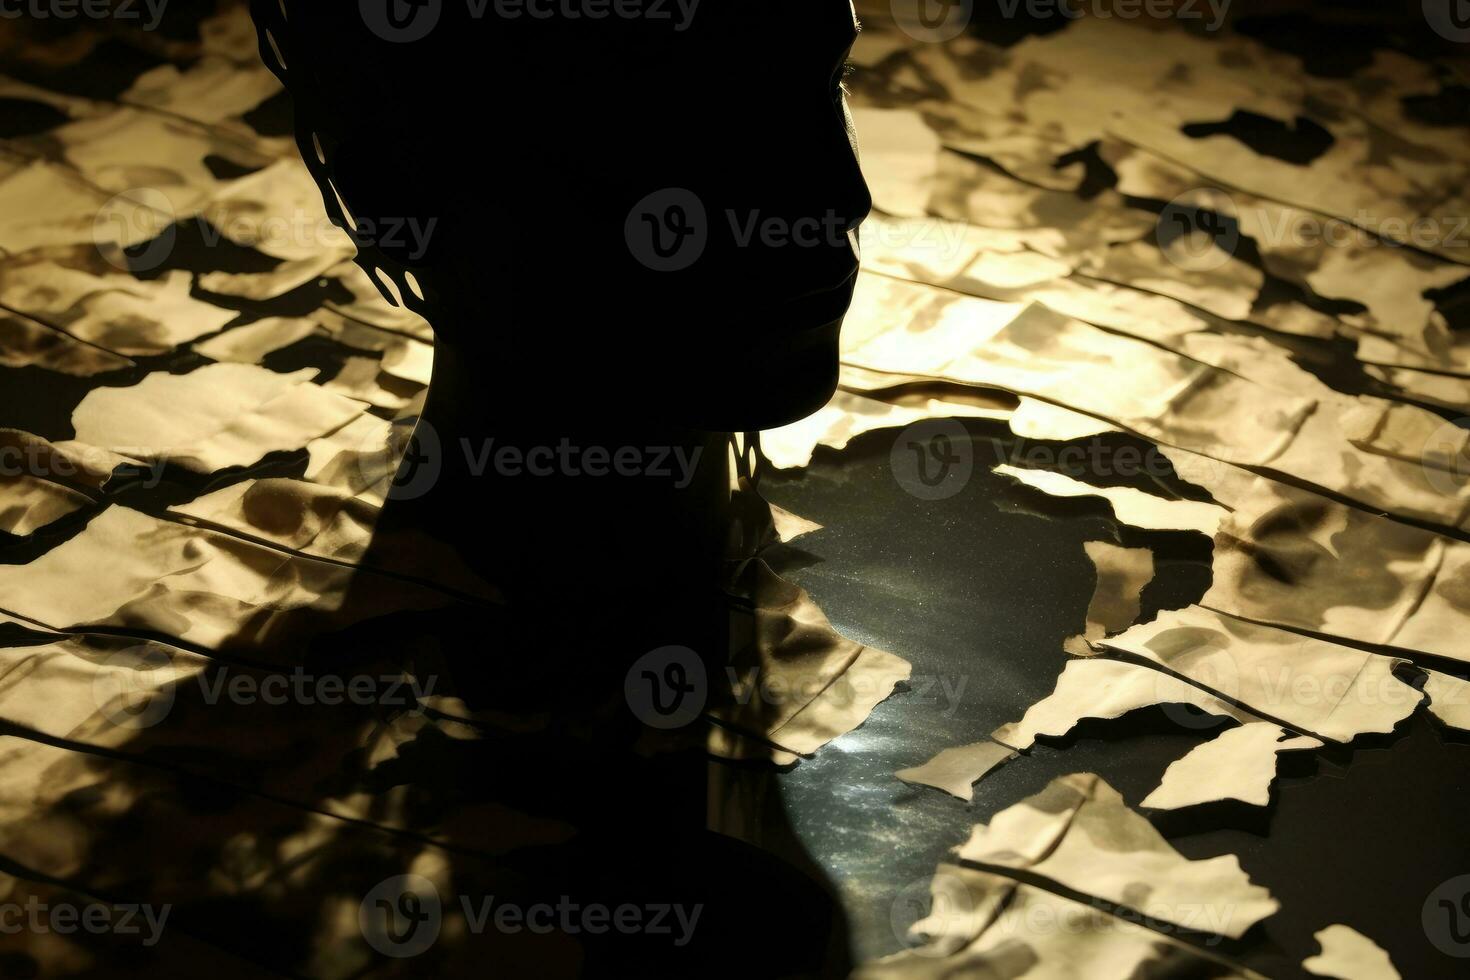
(826, 298)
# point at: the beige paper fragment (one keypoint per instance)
(213, 418)
(1034, 419)
(1056, 223)
(849, 415)
(1122, 574)
(278, 211)
(1238, 764)
(1000, 916)
(212, 90)
(790, 526)
(1350, 181)
(1349, 955)
(1353, 574)
(1079, 833)
(262, 286)
(1445, 390)
(1225, 286)
(29, 455)
(117, 312)
(250, 343)
(1358, 446)
(46, 204)
(132, 148)
(956, 769)
(231, 33)
(28, 504)
(1449, 698)
(909, 329)
(1101, 688)
(129, 570)
(1315, 686)
(727, 744)
(963, 902)
(368, 305)
(322, 521)
(799, 683)
(1132, 507)
(363, 379)
(28, 343)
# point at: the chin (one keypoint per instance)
(769, 384)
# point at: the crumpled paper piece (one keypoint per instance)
(848, 415)
(1351, 573)
(213, 418)
(1314, 686)
(1449, 698)
(1349, 955)
(799, 683)
(910, 329)
(29, 343)
(1238, 764)
(113, 311)
(127, 570)
(985, 925)
(956, 769)
(1134, 508)
(1122, 575)
(1101, 688)
(1079, 833)
(28, 504)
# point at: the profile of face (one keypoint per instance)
(649, 206)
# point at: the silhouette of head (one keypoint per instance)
(648, 206)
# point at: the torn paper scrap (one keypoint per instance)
(1132, 507)
(956, 770)
(849, 415)
(799, 683)
(1100, 688)
(1079, 833)
(789, 526)
(1449, 698)
(116, 312)
(987, 925)
(1034, 419)
(1349, 955)
(28, 503)
(1238, 764)
(213, 418)
(252, 342)
(1314, 686)
(1352, 573)
(128, 569)
(1122, 574)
